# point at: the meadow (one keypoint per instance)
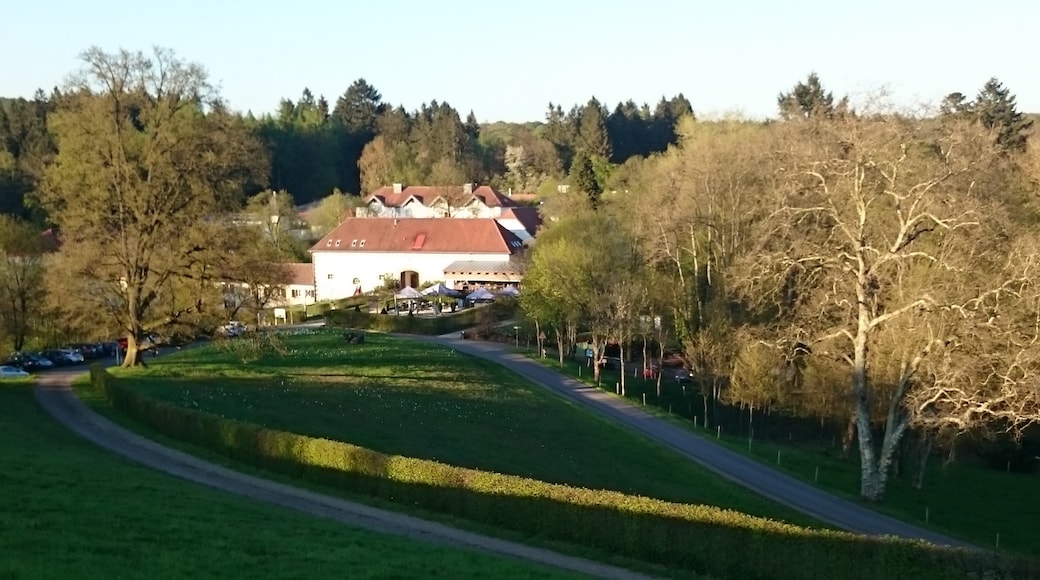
(402, 397)
(72, 510)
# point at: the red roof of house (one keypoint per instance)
(301, 274)
(529, 217)
(431, 235)
(427, 194)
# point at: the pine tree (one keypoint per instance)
(806, 100)
(583, 176)
(995, 108)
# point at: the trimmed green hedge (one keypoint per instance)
(703, 539)
(404, 324)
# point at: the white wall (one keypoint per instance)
(368, 266)
(439, 209)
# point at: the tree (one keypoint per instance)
(330, 212)
(995, 108)
(880, 251)
(149, 161)
(593, 137)
(359, 108)
(275, 213)
(22, 250)
(583, 177)
(806, 100)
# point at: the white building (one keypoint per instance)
(363, 252)
(300, 289)
(426, 201)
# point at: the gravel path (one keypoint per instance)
(734, 466)
(55, 395)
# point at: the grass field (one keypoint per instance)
(72, 510)
(403, 397)
(961, 499)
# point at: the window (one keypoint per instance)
(330, 276)
(328, 244)
(362, 245)
(353, 244)
(295, 293)
(337, 243)
(310, 294)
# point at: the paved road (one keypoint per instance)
(55, 396)
(734, 466)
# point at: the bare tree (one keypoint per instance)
(877, 238)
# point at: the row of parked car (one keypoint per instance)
(72, 354)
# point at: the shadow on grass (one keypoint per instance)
(715, 547)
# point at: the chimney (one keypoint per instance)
(467, 188)
(398, 187)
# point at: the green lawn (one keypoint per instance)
(403, 397)
(963, 500)
(71, 510)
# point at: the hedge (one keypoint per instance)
(404, 324)
(698, 538)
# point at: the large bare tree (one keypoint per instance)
(148, 157)
(883, 249)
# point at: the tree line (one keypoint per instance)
(138, 164)
(865, 266)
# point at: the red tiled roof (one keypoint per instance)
(301, 274)
(529, 217)
(440, 235)
(427, 194)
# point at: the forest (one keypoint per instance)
(849, 262)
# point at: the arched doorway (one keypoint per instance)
(410, 278)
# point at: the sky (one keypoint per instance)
(506, 61)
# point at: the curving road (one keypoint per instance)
(54, 394)
(735, 467)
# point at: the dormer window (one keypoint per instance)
(337, 243)
(353, 243)
(328, 244)
(362, 244)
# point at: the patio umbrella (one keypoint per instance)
(408, 293)
(480, 294)
(439, 290)
(510, 291)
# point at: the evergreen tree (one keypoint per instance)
(806, 100)
(593, 137)
(583, 177)
(995, 108)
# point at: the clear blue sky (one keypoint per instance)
(508, 60)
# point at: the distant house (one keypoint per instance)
(364, 253)
(426, 201)
(300, 289)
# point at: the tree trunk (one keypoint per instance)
(924, 450)
(134, 356)
(704, 397)
(621, 364)
(870, 480)
(848, 436)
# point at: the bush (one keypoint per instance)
(694, 537)
(446, 324)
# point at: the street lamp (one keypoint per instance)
(516, 331)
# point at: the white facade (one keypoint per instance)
(293, 295)
(339, 274)
(438, 209)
